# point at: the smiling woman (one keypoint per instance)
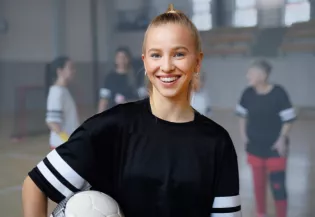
(156, 157)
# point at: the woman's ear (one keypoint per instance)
(199, 62)
(143, 58)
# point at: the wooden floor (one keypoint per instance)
(16, 159)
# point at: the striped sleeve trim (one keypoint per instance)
(287, 114)
(241, 111)
(226, 206)
(234, 214)
(51, 178)
(60, 175)
(54, 116)
(105, 93)
(65, 170)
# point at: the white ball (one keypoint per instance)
(92, 204)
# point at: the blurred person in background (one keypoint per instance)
(120, 84)
(61, 117)
(142, 83)
(266, 115)
(200, 98)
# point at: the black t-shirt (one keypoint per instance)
(150, 166)
(265, 114)
(117, 84)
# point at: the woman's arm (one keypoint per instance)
(63, 172)
(285, 130)
(54, 127)
(226, 188)
(105, 93)
(242, 125)
(54, 113)
(102, 105)
(34, 200)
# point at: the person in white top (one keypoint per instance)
(62, 116)
(200, 99)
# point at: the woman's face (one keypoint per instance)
(68, 71)
(170, 59)
(256, 76)
(122, 59)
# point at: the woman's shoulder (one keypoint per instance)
(56, 90)
(248, 90)
(115, 117)
(210, 127)
(278, 88)
(214, 134)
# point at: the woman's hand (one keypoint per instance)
(245, 140)
(119, 99)
(281, 146)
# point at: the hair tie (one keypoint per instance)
(171, 9)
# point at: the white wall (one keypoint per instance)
(29, 45)
(225, 79)
(78, 30)
(31, 31)
(128, 4)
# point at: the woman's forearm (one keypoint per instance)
(285, 130)
(55, 127)
(242, 125)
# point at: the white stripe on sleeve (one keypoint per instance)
(226, 202)
(231, 214)
(54, 116)
(105, 93)
(241, 110)
(50, 177)
(287, 114)
(66, 171)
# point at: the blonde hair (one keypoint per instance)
(172, 16)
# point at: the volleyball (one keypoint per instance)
(88, 203)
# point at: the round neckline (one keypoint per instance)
(265, 94)
(160, 120)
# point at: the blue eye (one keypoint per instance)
(179, 55)
(155, 55)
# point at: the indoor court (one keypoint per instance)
(16, 159)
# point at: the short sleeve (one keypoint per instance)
(242, 106)
(227, 199)
(54, 111)
(286, 111)
(73, 166)
(106, 89)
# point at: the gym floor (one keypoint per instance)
(16, 159)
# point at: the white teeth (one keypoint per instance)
(168, 79)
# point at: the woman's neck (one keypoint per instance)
(176, 110)
(61, 82)
(263, 88)
(121, 70)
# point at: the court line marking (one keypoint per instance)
(24, 156)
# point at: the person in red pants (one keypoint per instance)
(266, 115)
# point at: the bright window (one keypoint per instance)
(202, 17)
(245, 14)
(297, 11)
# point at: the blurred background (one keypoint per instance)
(234, 32)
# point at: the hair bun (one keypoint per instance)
(171, 9)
